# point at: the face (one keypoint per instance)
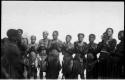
(55, 35)
(19, 32)
(91, 38)
(45, 35)
(24, 41)
(109, 32)
(80, 38)
(68, 38)
(33, 40)
(105, 37)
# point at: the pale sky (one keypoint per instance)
(72, 18)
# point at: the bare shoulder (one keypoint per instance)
(85, 43)
(41, 40)
(50, 40)
(59, 41)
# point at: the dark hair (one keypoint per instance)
(12, 33)
(92, 35)
(108, 29)
(80, 34)
(33, 36)
(69, 36)
(120, 32)
(56, 32)
(20, 30)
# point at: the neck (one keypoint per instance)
(12, 41)
(45, 39)
(91, 42)
(80, 41)
(67, 42)
(55, 39)
(32, 43)
(110, 37)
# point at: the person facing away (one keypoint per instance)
(11, 62)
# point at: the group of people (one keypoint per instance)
(19, 57)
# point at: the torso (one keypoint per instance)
(31, 45)
(80, 48)
(67, 49)
(107, 49)
(110, 46)
(91, 49)
(44, 46)
(55, 47)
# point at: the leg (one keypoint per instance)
(41, 74)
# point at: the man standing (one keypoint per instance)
(67, 51)
(54, 66)
(43, 51)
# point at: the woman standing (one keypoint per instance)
(106, 47)
(91, 69)
(80, 49)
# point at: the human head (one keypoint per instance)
(109, 31)
(55, 35)
(80, 37)
(33, 39)
(105, 36)
(24, 41)
(121, 35)
(68, 38)
(20, 32)
(12, 35)
(92, 37)
(45, 35)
